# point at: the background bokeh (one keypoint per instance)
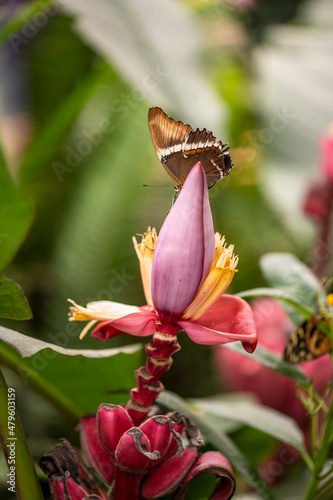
(77, 80)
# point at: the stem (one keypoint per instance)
(127, 485)
(23, 478)
(324, 489)
(314, 429)
(149, 387)
(307, 459)
(321, 455)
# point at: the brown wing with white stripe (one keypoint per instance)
(179, 148)
(168, 137)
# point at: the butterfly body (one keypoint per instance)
(179, 148)
(308, 342)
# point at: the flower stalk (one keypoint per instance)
(320, 449)
(159, 360)
(126, 485)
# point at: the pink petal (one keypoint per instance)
(215, 463)
(228, 320)
(141, 324)
(185, 248)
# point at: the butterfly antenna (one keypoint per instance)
(156, 186)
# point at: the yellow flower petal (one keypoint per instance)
(145, 252)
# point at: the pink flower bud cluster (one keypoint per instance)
(135, 462)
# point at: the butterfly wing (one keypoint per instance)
(168, 137)
(306, 342)
(179, 148)
(202, 146)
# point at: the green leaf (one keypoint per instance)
(287, 273)
(272, 361)
(73, 381)
(26, 482)
(15, 215)
(226, 424)
(13, 303)
(28, 346)
(277, 294)
(254, 415)
(220, 441)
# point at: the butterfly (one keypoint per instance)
(309, 341)
(179, 148)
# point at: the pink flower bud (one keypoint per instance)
(158, 431)
(112, 422)
(184, 250)
(58, 491)
(133, 451)
(97, 457)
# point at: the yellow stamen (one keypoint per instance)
(79, 313)
(102, 310)
(217, 281)
(219, 247)
(87, 328)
